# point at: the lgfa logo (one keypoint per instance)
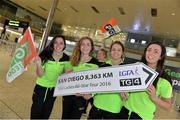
(128, 72)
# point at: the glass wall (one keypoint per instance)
(139, 41)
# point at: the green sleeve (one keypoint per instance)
(68, 66)
(165, 89)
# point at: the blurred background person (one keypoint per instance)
(101, 55)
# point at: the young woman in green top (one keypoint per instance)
(81, 59)
(108, 105)
(142, 105)
(50, 63)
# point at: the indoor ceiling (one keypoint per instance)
(160, 17)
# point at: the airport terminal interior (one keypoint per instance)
(138, 23)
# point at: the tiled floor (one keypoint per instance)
(15, 97)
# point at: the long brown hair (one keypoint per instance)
(76, 54)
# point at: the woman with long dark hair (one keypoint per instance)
(142, 105)
(50, 63)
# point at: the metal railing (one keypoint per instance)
(8, 46)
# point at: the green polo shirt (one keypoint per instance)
(84, 66)
(110, 102)
(52, 70)
(140, 103)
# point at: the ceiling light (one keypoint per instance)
(132, 40)
(136, 26)
(8, 30)
(173, 14)
(50, 37)
(171, 51)
(147, 28)
(70, 42)
(75, 31)
(143, 42)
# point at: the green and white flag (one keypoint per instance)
(24, 53)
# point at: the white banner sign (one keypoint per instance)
(129, 77)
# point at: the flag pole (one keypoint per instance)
(49, 23)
